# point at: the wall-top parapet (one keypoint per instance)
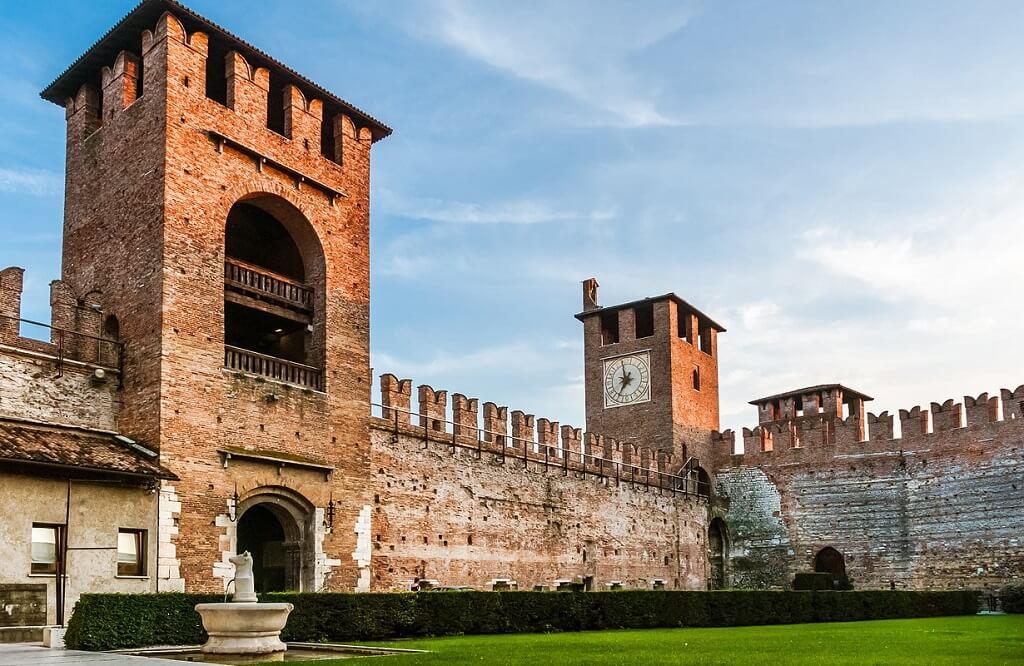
(456, 419)
(826, 433)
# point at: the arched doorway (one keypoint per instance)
(716, 554)
(830, 560)
(276, 527)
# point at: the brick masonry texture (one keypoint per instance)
(463, 518)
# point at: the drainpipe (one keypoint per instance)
(62, 564)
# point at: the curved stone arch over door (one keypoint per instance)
(277, 525)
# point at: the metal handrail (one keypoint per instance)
(290, 372)
(532, 450)
(73, 352)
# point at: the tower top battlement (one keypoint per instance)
(124, 36)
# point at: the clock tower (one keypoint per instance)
(651, 372)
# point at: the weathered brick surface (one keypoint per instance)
(466, 519)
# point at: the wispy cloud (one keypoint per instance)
(520, 211)
(582, 49)
(30, 181)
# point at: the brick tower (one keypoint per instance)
(219, 203)
(651, 372)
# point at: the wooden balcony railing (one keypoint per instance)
(261, 282)
(271, 367)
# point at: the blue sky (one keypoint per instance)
(839, 184)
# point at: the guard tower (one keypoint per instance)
(218, 202)
(651, 372)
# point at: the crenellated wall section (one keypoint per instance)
(940, 506)
(465, 498)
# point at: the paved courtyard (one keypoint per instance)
(20, 654)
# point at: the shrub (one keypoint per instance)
(110, 621)
(1013, 599)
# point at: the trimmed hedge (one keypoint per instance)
(1013, 599)
(111, 621)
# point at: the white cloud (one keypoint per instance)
(579, 48)
(30, 181)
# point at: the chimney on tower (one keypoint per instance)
(590, 294)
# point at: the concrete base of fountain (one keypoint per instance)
(244, 628)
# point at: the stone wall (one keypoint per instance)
(940, 507)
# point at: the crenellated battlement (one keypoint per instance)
(518, 435)
(80, 332)
(163, 45)
(823, 433)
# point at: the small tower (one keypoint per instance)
(651, 372)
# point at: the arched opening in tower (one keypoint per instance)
(273, 269)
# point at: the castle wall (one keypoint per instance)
(941, 507)
(31, 389)
(466, 519)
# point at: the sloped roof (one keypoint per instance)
(643, 301)
(126, 35)
(812, 389)
(62, 447)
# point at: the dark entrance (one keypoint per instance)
(830, 560)
(716, 554)
(261, 533)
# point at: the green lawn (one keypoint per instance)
(986, 640)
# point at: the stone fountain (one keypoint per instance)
(243, 626)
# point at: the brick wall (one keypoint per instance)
(463, 518)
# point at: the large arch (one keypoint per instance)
(717, 554)
(275, 280)
(276, 525)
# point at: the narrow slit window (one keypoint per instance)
(131, 552)
(696, 378)
(643, 319)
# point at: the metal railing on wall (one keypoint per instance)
(64, 344)
(427, 428)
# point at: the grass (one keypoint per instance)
(989, 640)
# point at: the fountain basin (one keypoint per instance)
(244, 628)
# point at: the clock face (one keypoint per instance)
(627, 380)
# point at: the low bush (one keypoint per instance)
(110, 621)
(1013, 599)
(818, 580)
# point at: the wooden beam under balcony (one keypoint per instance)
(267, 306)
